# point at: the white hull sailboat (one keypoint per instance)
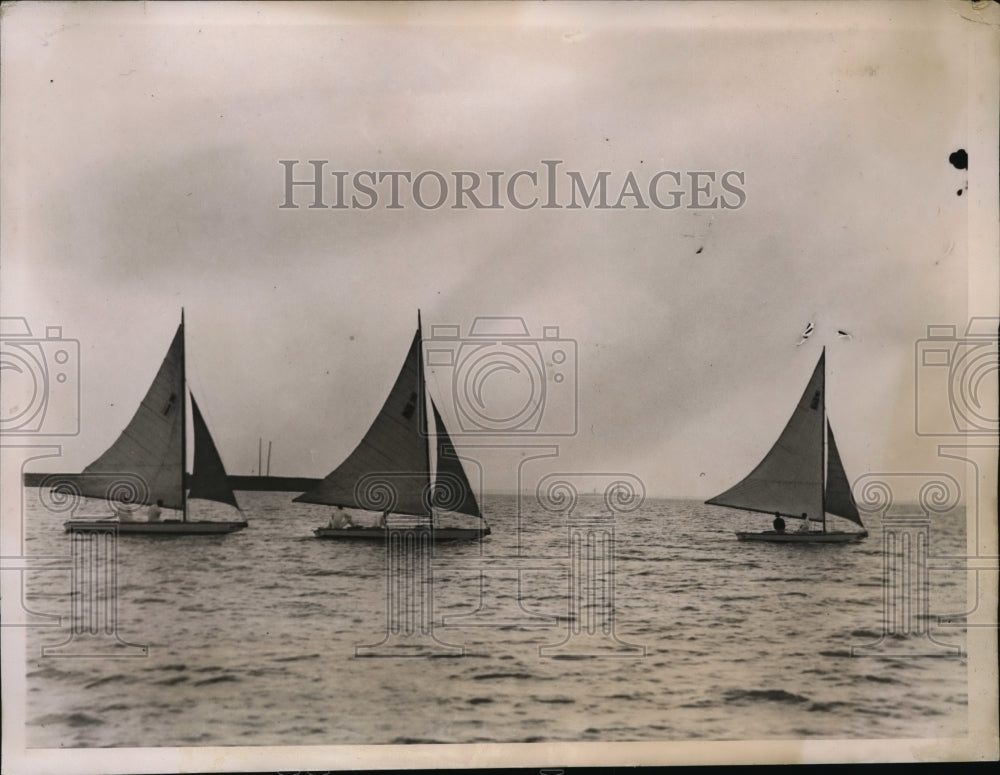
(152, 450)
(389, 472)
(800, 478)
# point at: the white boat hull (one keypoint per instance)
(166, 527)
(774, 537)
(378, 533)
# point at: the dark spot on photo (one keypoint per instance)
(959, 159)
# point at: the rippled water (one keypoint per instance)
(252, 638)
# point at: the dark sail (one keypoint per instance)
(391, 458)
(789, 479)
(839, 499)
(208, 476)
(152, 444)
(452, 491)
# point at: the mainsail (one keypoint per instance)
(152, 444)
(392, 456)
(452, 490)
(839, 499)
(789, 480)
(208, 476)
(793, 479)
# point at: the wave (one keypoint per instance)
(826, 707)
(217, 679)
(70, 719)
(108, 679)
(699, 704)
(114, 706)
(177, 679)
(296, 658)
(882, 679)
(765, 695)
(492, 676)
(47, 673)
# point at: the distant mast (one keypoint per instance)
(260, 457)
(184, 511)
(422, 414)
(822, 439)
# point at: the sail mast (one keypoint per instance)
(422, 417)
(822, 431)
(184, 503)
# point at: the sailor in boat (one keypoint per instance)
(154, 511)
(381, 520)
(779, 523)
(804, 527)
(122, 513)
(340, 519)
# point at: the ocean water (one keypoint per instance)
(253, 637)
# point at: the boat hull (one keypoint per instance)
(378, 533)
(166, 527)
(774, 537)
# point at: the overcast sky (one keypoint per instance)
(140, 174)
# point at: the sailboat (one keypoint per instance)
(800, 478)
(152, 450)
(389, 471)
